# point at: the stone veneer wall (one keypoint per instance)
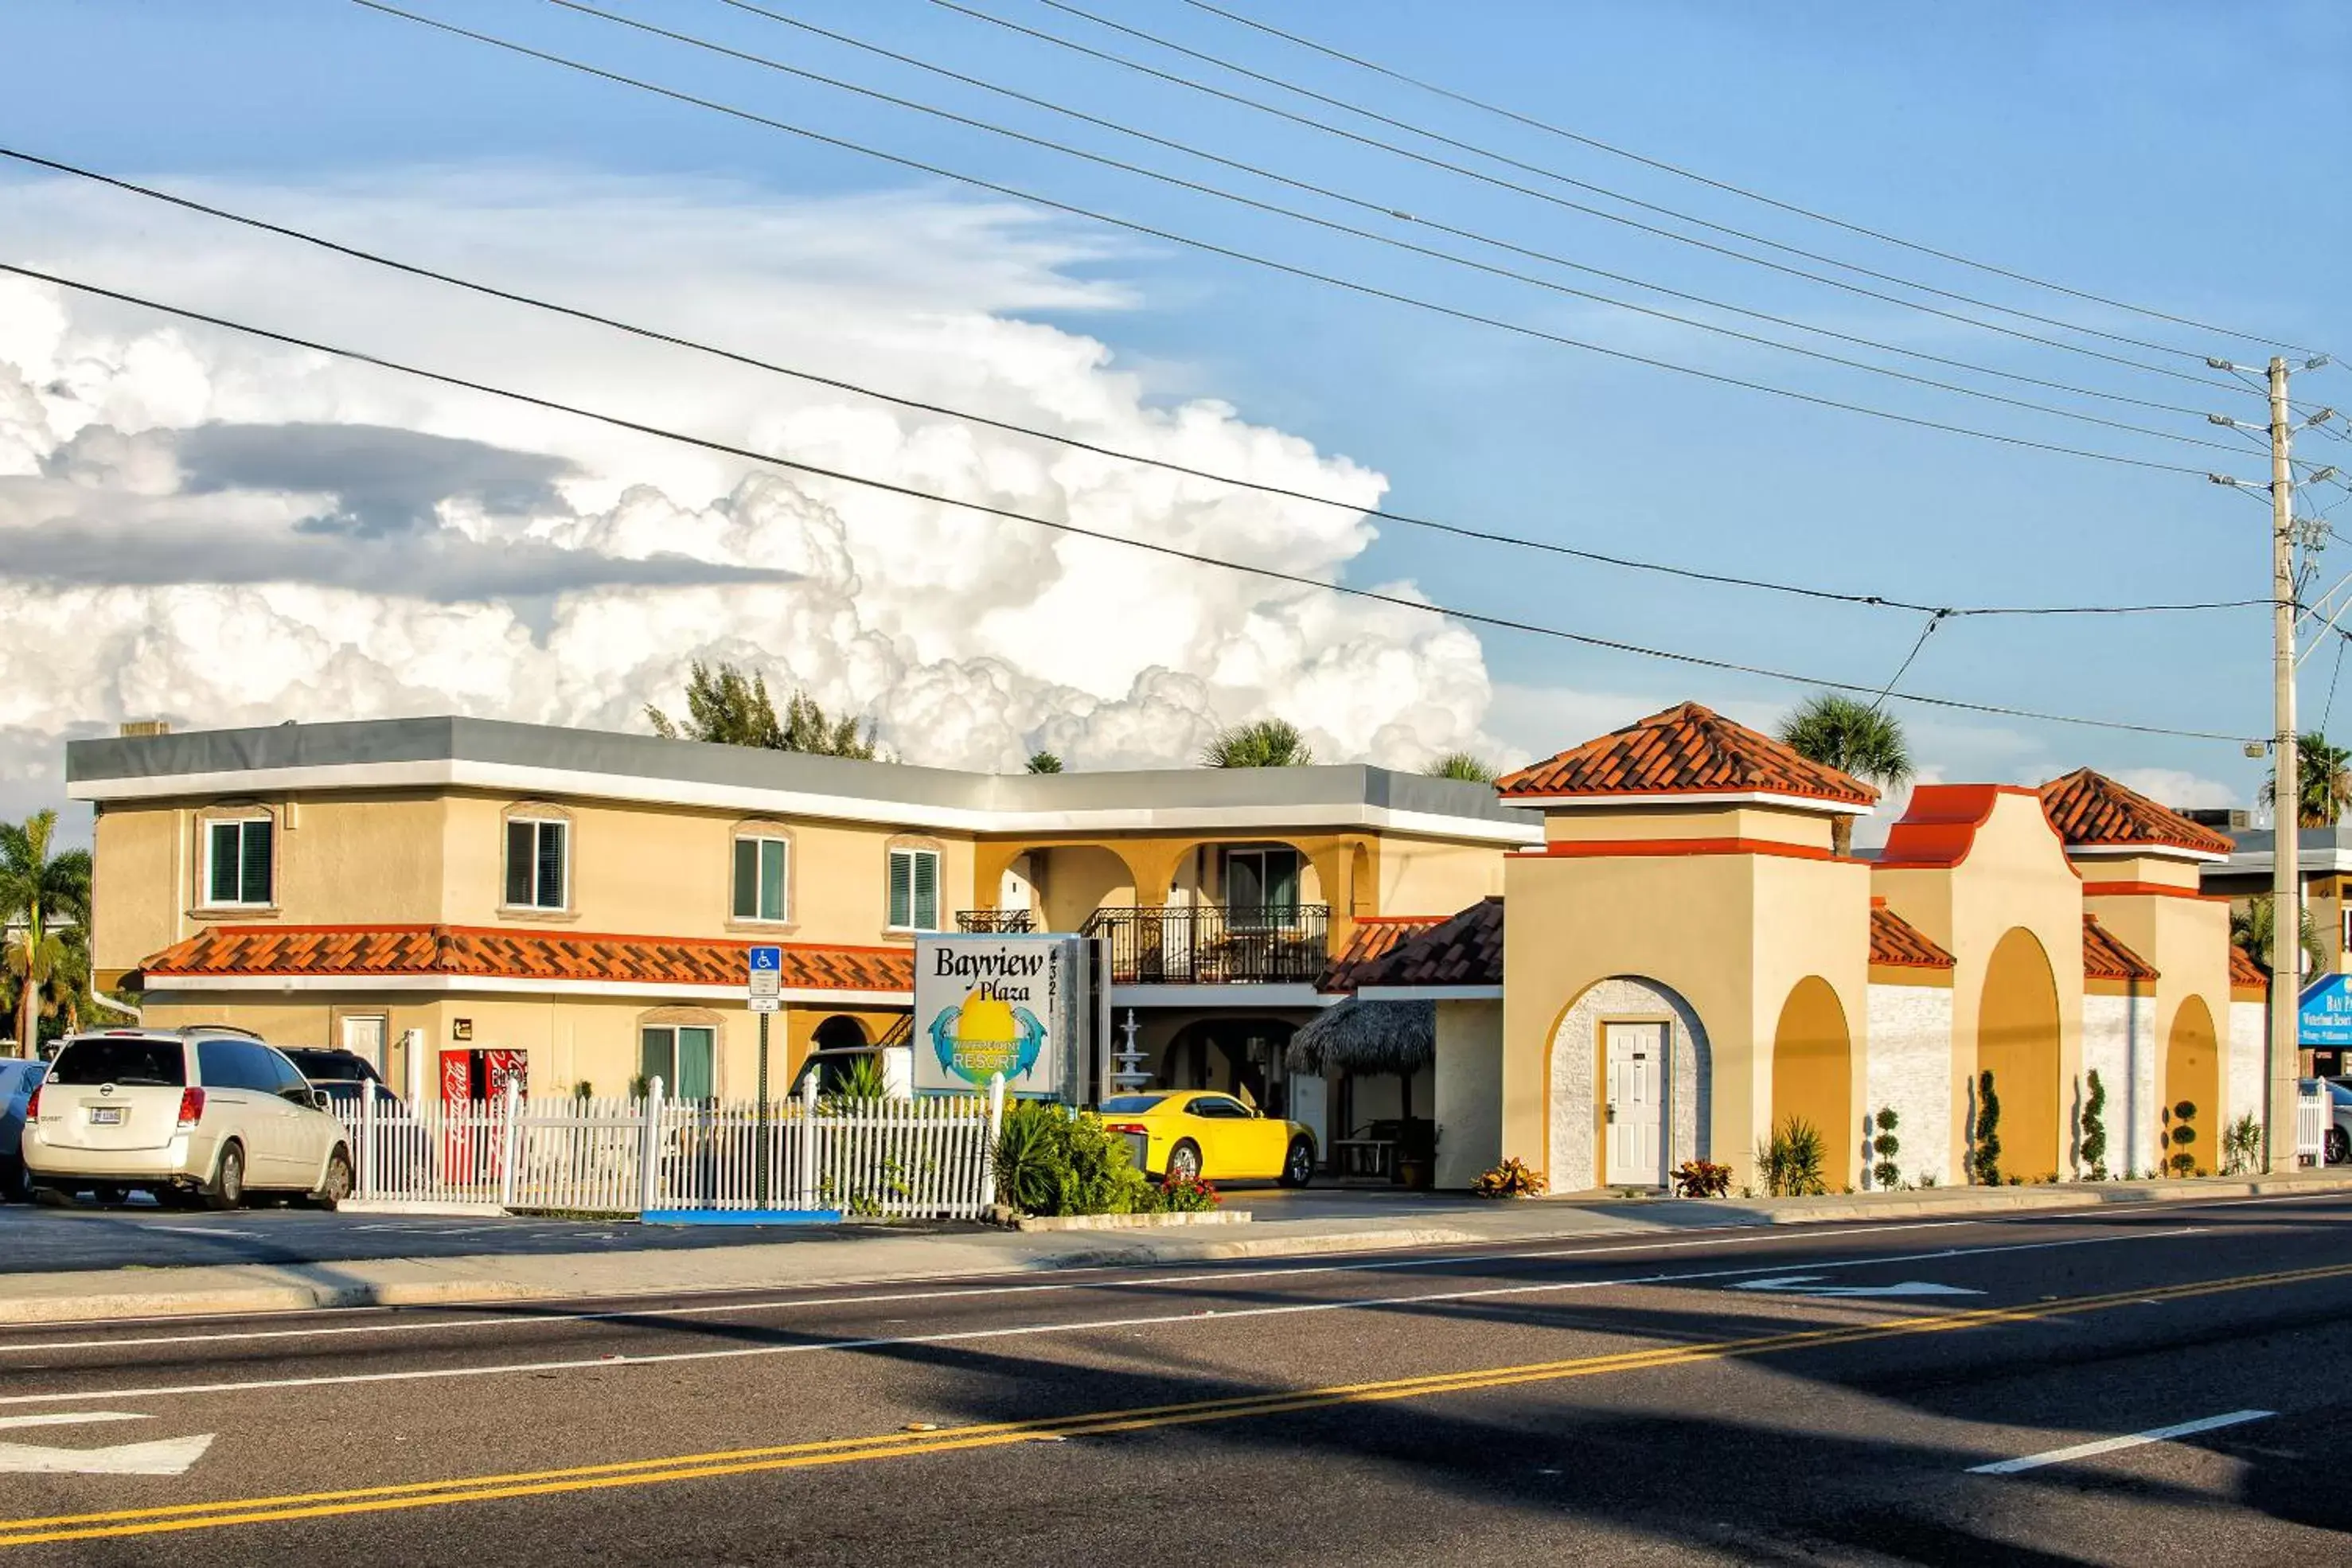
(2119, 1044)
(1576, 1053)
(2242, 1078)
(1910, 1069)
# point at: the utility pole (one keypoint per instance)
(2287, 799)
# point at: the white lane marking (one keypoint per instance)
(1811, 1285)
(2110, 1445)
(68, 1418)
(162, 1456)
(198, 1228)
(1194, 1317)
(527, 1319)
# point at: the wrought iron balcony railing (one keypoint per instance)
(996, 922)
(1214, 944)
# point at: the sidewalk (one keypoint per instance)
(866, 1256)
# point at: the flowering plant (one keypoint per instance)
(1702, 1179)
(1187, 1194)
(1511, 1179)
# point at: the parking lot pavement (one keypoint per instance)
(43, 1240)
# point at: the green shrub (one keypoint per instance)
(2242, 1146)
(1181, 1195)
(1792, 1161)
(1886, 1172)
(2093, 1148)
(1985, 1162)
(1511, 1179)
(2183, 1118)
(1054, 1161)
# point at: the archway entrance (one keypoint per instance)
(1812, 1075)
(2017, 1042)
(2192, 1077)
(838, 1033)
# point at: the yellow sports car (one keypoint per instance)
(1198, 1132)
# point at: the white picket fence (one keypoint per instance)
(2314, 1112)
(931, 1157)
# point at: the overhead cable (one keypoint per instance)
(797, 372)
(1269, 263)
(1483, 177)
(1661, 164)
(1395, 601)
(1385, 209)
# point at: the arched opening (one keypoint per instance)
(1616, 1114)
(838, 1033)
(2017, 1042)
(2192, 1077)
(1813, 1074)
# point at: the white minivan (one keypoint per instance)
(201, 1115)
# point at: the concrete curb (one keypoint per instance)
(1129, 1221)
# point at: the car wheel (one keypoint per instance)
(15, 1183)
(2339, 1146)
(336, 1185)
(1298, 1165)
(226, 1189)
(1184, 1162)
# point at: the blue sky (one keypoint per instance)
(2181, 156)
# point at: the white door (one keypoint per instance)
(1637, 1060)
(1310, 1103)
(364, 1036)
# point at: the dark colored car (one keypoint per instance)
(344, 1075)
(17, 1082)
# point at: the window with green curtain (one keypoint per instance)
(238, 869)
(760, 879)
(915, 890)
(685, 1056)
(657, 1056)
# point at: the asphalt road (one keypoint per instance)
(1798, 1395)
(140, 1234)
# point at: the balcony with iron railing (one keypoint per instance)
(1216, 944)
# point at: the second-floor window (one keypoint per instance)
(759, 867)
(914, 889)
(237, 864)
(536, 865)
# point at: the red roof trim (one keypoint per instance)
(1939, 827)
(1638, 848)
(2150, 891)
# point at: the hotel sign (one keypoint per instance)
(991, 1004)
(2325, 1013)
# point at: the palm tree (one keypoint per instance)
(1465, 765)
(1045, 763)
(2252, 923)
(1260, 743)
(2324, 781)
(1853, 737)
(41, 896)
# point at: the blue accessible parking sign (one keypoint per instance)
(764, 980)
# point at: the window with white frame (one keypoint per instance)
(537, 870)
(762, 863)
(239, 867)
(914, 889)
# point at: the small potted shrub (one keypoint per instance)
(1511, 1179)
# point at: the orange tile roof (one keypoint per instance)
(2245, 972)
(2107, 958)
(1467, 949)
(489, 954)
(2091, 808)
(1688, 749)
(1896, 942)
(1373, 937)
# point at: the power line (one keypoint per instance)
(1271, 264)
(1615, 151)
(1171, 552)
(1339, 131)
(1011, 427)
(1383, 208)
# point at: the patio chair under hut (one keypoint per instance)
(1379, 1049)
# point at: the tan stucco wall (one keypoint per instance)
(1730, 934)
(1664, 819)
(1427, 877)
(2014, 875)
(1469, 1090)
(2187, 939)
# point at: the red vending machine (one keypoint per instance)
(473, 1098)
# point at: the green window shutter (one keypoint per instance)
(221, 877)
(771, 878)
(522, 847)
(696, 1079)
(254, 863)
(747, 879)
(550, 865)
(902, 889)
(926, 890)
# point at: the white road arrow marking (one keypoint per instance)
(1809, 1284)
(163, 1457)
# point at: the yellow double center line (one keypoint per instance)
(904, 1444)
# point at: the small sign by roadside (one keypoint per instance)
(764, 979)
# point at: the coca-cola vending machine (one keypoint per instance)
(473, 1098)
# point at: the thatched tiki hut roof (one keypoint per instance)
(1360, 1036)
